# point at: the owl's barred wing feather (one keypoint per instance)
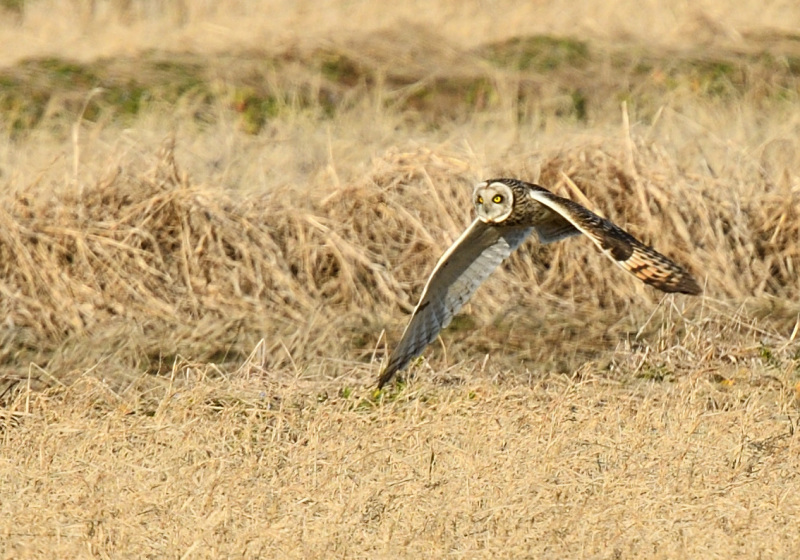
(462, 268)
(644, 262)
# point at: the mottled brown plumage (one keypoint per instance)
(508, 209)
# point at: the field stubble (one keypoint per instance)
(192, 333)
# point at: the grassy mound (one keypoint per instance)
(143, 266)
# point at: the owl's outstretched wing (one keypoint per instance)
(462, 268)
(553, 227)
(644, 262)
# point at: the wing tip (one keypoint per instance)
(390, 370)
(386, 376)
(688, 285)
(679, 283)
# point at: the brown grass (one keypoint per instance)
(272, 467)
(195, 310)
(156, 267)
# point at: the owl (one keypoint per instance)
(507, 211)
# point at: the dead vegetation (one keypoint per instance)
(155, 266)
(552, 468)
(192, 332)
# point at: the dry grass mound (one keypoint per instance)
(144, 265)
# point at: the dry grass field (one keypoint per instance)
(217, 217)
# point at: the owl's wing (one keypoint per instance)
(644, 262)
(462, 268)
(554, 227)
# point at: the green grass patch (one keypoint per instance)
(261, 86)
(541, 53)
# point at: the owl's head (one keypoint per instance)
(494, 201)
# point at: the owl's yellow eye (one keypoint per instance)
(480, 200)
(497, 199)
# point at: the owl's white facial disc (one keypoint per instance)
(493, 202)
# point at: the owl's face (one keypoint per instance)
(493, 201)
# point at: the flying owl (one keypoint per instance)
(508, 209)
